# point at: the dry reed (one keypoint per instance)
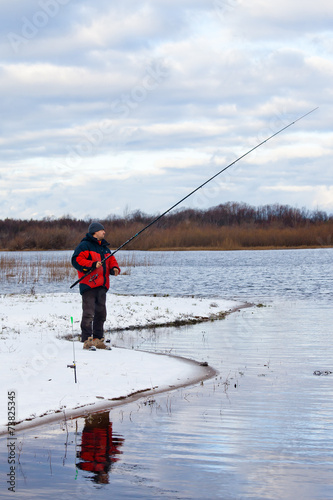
(22, 270)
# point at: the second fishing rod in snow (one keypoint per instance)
(194, 191)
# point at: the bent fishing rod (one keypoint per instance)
(194, 191)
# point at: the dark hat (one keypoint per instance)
(94, 227)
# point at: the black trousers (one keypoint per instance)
(93, 313)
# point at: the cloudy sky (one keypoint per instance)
(113, 106)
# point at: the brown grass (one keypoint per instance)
(22, 271)
(237, 237)
(185, 236)
(230, 226)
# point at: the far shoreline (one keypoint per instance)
(183, 249)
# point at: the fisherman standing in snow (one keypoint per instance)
(88, 256)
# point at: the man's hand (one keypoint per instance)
(115, 270)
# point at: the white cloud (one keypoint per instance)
(162, 94)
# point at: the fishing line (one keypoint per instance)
(194, 191)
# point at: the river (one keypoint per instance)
(261, 429)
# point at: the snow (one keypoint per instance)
(34, 353)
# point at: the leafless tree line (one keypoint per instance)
(227, 226)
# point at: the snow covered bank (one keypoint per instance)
(34, 355)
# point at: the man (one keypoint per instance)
(87, 256)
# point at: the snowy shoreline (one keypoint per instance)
(34, 354)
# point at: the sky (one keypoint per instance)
(112, 107)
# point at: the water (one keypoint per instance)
(246, 275)
(261, 429)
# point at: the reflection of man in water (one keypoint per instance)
(99, 449)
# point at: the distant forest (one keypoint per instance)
(229, 226)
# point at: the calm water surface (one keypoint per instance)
(261, 429)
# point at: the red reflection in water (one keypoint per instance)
(99, 447)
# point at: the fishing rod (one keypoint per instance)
(194, 191)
